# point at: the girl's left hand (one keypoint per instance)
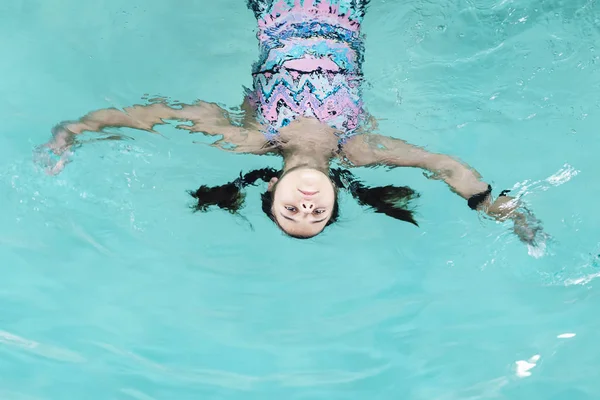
(526, 225)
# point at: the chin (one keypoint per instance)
(312, 173)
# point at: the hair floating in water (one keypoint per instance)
(230, 196)
(393, 201)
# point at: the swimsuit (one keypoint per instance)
(310, 63)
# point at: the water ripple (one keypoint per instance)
(40, 349)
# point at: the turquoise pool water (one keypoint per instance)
(111, 289)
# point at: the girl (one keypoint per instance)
(306, 106)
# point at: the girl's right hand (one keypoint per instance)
(54, 155)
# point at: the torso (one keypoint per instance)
(310, 66)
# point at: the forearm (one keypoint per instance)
(135, 117)
(468, 183)
(462, 179)
(205, 117)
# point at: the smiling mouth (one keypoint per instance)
(304, 192)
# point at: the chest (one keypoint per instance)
(333, 98)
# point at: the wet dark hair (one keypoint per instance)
(393, 201)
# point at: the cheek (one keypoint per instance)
(283, 185)
(281, 196)
(286, 191)
(329, 192)
(331, 201)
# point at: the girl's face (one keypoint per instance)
(303, 201)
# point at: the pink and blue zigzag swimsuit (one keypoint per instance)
(311, 53)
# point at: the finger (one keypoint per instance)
(59, 166)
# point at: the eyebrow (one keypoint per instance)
(292, 219)
(286, 217)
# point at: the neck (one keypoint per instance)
(304, 159)
(308, 142)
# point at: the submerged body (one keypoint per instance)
(310, 64)
(306, 106)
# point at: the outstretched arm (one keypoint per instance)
(207, 118)
(371, 149)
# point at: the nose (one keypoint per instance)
(307, 206)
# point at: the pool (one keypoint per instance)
(111, 288)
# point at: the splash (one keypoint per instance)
(560, 177)
(524, 367)
(563, 175)
(537, 251)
